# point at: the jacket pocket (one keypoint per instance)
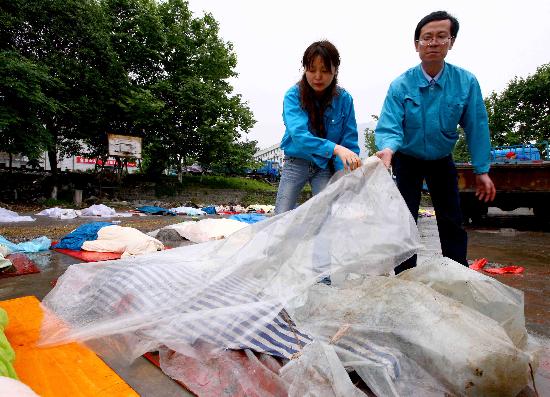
(334, 124)
(413, 112)
(449, 116)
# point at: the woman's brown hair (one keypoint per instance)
(314, 105)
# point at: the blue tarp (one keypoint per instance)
(38, 244)
(211, 210)
(86, 232)
(248, 218)
(150, 209)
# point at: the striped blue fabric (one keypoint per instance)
(226, 312)
(256, 326)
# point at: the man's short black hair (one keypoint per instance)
(437, 16)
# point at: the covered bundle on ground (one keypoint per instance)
(258, 290)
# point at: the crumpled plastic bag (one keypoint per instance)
(484, 294)
(38, 244)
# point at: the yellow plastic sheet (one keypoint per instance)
(67, 370)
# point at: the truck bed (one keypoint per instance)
(518, 184)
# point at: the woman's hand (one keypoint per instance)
(350, 159)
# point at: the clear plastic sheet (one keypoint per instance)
(404, 338)
(360, 219)
(482, 293)
(258, 289)
(318, 372)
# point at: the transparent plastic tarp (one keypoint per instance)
(421, 334)
(258, 290)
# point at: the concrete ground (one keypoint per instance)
(505, 238)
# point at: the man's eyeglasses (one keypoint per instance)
(428, 41)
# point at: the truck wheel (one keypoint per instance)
(542, 213)
(466, 215)
(472, 209)
(477, 212)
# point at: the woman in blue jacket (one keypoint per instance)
(321, 131)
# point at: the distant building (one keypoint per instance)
(272, 153)
(73, 163)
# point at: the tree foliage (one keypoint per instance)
(370, 144)
(521, 113)
(67, 41)
(23, 105)
(202, 119)
(74, 70)
(461, 154)
(237, 159)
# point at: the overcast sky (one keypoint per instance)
(497, 41)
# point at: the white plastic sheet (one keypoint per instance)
(126, 240)
(98, 210)
(191, 211)
(276, 260)
(207, 229)
(59, 213)
(318, 372)
(7, 216)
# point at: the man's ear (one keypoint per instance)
(452, 43)
(416, 44)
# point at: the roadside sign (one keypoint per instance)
(124, 146)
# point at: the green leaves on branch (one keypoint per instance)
(74, 70)
(521, 113)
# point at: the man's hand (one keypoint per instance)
(385, 155)
(485, 189)
(350, 160)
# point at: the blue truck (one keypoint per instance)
(269, 169)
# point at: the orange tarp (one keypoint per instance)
(68, 370)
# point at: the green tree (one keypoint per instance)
(521, 113)
(23, 105)
(370, 145)
(68, 40)
(461, 154)
(237, 158)
(137, 38)
(202, 117)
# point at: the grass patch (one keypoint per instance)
(264, 198)
(51, 202)
(227, 182)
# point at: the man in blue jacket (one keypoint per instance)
(417, 131)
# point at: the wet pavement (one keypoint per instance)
(504, 238)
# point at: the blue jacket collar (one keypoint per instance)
(423, 82)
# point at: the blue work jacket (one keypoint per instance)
(340, 125)
(421, 120)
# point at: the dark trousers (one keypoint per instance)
(442, 181)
